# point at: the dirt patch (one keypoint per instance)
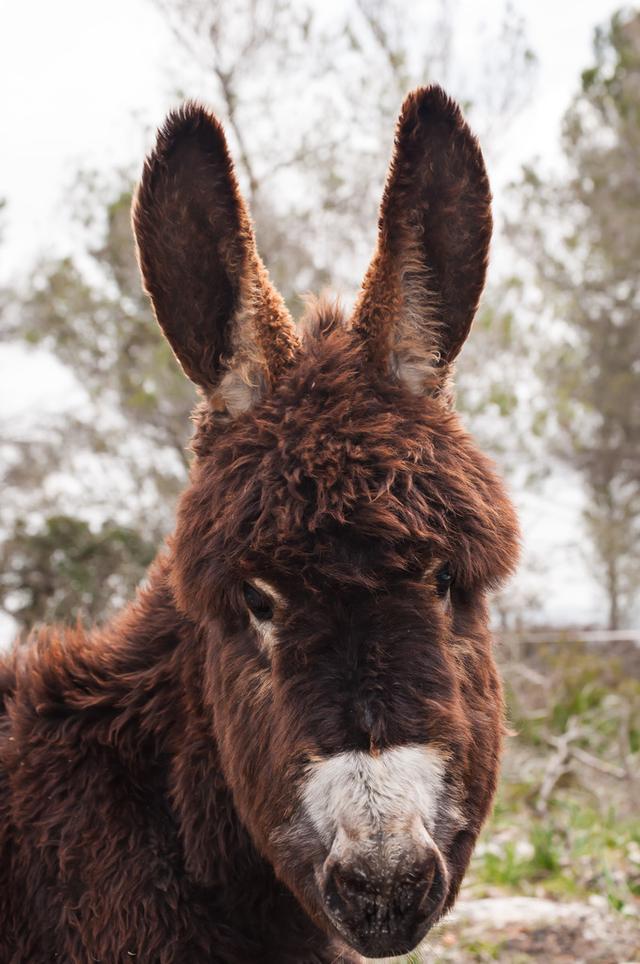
(513, 930)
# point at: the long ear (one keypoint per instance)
(422, 288)
(211, 294)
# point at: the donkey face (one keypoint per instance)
(341, 530)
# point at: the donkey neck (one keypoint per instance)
(156, 658)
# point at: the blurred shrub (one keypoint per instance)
(567, 818)
(66, 569)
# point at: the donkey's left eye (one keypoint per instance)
(257, 602)
(444, 578)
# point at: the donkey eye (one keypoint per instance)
(444, 578)
(257, 602)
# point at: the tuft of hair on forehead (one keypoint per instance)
(323, 315)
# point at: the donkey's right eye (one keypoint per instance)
(258, 603)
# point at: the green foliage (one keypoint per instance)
(124, 448)
(582, 235)
(503, 867)
(95, 318)
(583, 837)
(571, 852)
(65, 570)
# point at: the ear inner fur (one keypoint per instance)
(422, 288)
(209, 288)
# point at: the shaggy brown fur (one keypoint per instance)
(152, 772)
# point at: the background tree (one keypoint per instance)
(67, 569)
(580, 233)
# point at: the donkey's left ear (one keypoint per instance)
(423, 286)
(211, 294)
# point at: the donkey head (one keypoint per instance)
(341, 531)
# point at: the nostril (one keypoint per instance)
(430, 891)
(350, 884)
(422, 877)
(411, 888)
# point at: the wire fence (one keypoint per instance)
(569, 635)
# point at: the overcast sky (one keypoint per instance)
(83, 83)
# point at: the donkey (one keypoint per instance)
(284, 749)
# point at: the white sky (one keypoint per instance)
(84, 82)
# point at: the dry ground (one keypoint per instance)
(513, 930)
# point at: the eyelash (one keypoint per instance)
(444, 580)
(258, 603)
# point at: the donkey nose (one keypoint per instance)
(384, 910)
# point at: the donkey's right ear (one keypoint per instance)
(211, 294)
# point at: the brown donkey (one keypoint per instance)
(284, 749)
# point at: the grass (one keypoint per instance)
(572, 852)
(586, 842)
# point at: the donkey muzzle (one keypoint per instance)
(384, 895)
